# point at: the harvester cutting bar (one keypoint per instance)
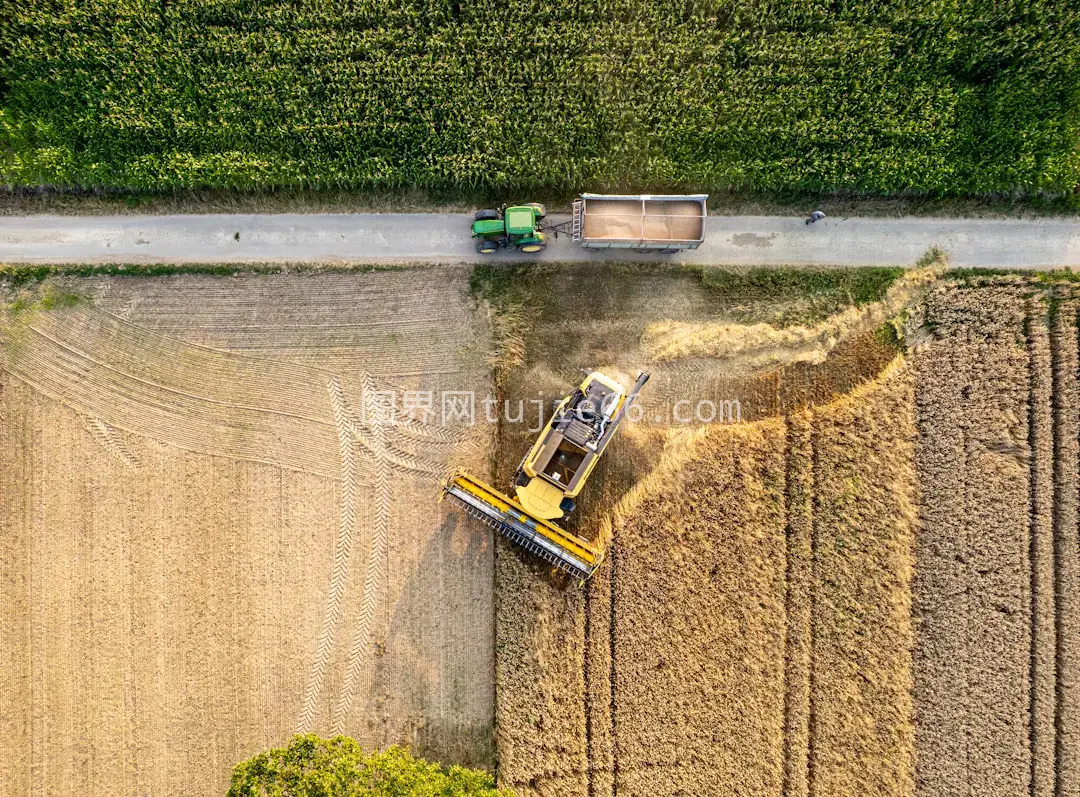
(557, 546)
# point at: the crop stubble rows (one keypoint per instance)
(219, 563)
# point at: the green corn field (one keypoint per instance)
(942, 97)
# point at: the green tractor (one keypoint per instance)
(518, 227)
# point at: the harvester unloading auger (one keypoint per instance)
(552, 474)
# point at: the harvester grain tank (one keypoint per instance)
(552, 475)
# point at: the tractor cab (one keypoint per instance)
(517, 227)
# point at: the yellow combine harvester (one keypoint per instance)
(552, 474)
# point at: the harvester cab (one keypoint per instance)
(552, 474)
(519, 227)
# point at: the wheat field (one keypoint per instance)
(214, 537)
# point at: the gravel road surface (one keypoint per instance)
(444, 238)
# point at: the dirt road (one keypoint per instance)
(431, 238)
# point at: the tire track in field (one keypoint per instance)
(383, 437)
(342, 553)
(196, 398)
(376, 560)
(110, 440)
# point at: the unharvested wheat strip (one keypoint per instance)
(699, 619)
(540, 684)
(1043, 625)
(972, 594)
(1067, 548)
(799, 586)
(940, 660)
(864, 527)
(16, 585)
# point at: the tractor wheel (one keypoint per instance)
(487, 214)
(486, 247)
(541, 211)
(531, 248)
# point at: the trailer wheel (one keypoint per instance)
(487, 214)
(541, 211)
(670, 251)
(486, 247)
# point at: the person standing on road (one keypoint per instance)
(817, 215)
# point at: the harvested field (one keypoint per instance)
(214, 535)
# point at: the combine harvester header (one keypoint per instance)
(552, 474)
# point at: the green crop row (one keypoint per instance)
(953, 97)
